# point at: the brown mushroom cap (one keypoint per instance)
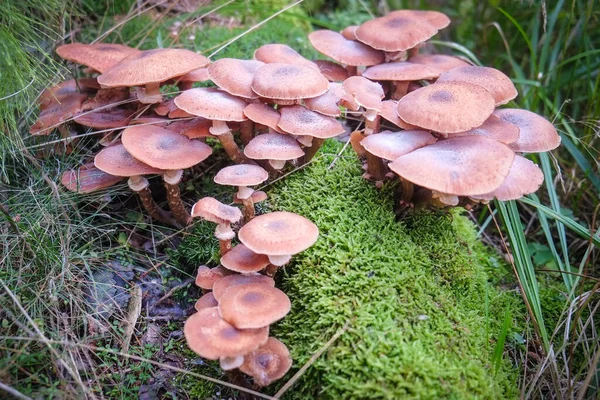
(536, 134)
(197, 75)
(162, 148)
(206, 277)
(441, 62)
(364, 92)
(263, 114)
(242, 259)
(152, 66)
(279, 233)
(211, 337)
(281, 53)
(213, 210)
(491, 79)
(98, 56)
(349, 32)
(192, 128)
(211, 103)
(55, 94)
(493, 128)
(388, 112)
(299, 120)
(169, 107)
(345, 51)
(435, 18)
(57, 113)
(241, 175)
(273, 146)
(206, 301)
(88, 179)
(332, 71)
(225, 283)
(461, 166)
(253, 305)
(288, 82)
(447, 107)
(524, 177)
(269, 362)
(327, 103)
(235, 76)
(106, 119)
(391, 145)
(116, 160)
(394, 32)
(400, 71)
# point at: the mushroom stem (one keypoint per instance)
(271, 270)
(150, 94)
(181, 85)
(372, 125)
(171, 180)
(309, 152)
(408, 191)
(375, 167)
(400, 89)
(352, 70)
(224, 246)
(224, 233)
(222, 131)
(140, 185)
(248, 210)
(246, 131)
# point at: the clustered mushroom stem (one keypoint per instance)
(375, 167)
(372, 126)
(224, 246)
(408, 191)
(352, 70)
(171, 180)
(400, 89)
(150, 94)
(232, 149)
(271, 270)
(155, 212)
(248, 211)
(309, 152)
(246, 131)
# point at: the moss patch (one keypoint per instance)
(415, 292)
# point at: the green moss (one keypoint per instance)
(415, 292)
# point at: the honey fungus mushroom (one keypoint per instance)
(243, 176)
(268, 363)
(221, 214)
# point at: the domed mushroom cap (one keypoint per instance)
(206, 277)
(345, 51)
(88, 179)
(210, 336)
(213, 210)
(400, 71)
(388, 112)
(524, 177)
(241, 175)
(98, 56)
(447, 107)
(288, 82)
(212, 104)
(116, 160)
(164, 149)
(536, 134)
(391, 145)
(206, 301)
(263, 114)
(279, 233)
(440, 62)
(493, 128)
(394, 32)
(55, 94)
(225, 283)
(364, 92)
(349, 32)
(106, 119)
(197, 75)
(332, 71)
(462, 166)
(152, 66)
(299, 120)
(327, 103)
(192, 128)
(253, 305)
(437, 19)
(235, 76)
(281, 53)
(242, 259)
(273, 146)
(269, 362)
(491, 79)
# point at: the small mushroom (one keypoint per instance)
(268, 363)
(221, 285)
(223, 215)
(243, 260)
(243, 176)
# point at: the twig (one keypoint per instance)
(14, 392)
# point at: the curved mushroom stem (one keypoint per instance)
(139, 184)
(222, 131)
(400, 89)
(224, 233)
(309, 152)
(171, 180)
(245, 195)
(246, 131)
(150, 94)
(408, 191)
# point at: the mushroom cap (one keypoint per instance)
(228, 281)
(437, 19)
(400, 71)
(327, 103)
(281, 53)
(98, 56)
(273, 146)
(447, 107)
(56, 113)
(279, 233)
(394, 32)
(345, 51)
(164, 149)
(536, 134)
(257, 196)
(269, 362)
(152, 66)
(493, 128)
(349, 32)
(491, 79)
(197, 75)
(192, 128)
(169, 107)
(206, 301)
(116, 160)
(55, 94)
(213, 210)
(212, 337)
(288, 82)
(253, 305)
(106, 119)
(461, 166)
(391, 145)
(242, 259)
(211, 103)
(241, 175)
(88, 179)
(332, 71)
(299, 120)
(441, 62)
(364, 92)
(263, 114)
(388, 112)
(235, 76)
(524, 177)
(206, 277)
